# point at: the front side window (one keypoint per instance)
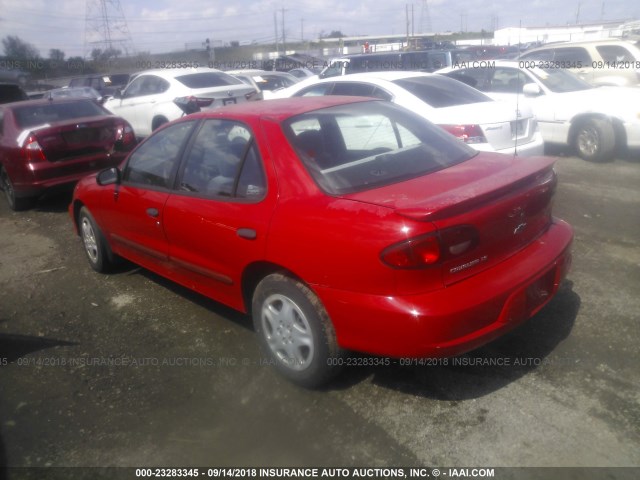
(154, 162)
(359, 146)
(315, 90)
(223, 162)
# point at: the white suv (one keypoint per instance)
(601, 62)
(148, 100)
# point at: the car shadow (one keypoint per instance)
(17, 346)
(484, 370)
(217, 308)
(468, 376)
(55, 201)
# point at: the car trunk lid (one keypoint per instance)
(77, 138)
(505, 202)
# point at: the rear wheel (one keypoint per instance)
(158, 122)
(295, 331)
(15, 203)
(595, 140)
(93, 241)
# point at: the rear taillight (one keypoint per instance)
(432, 248)
(466, 133)
(33, 150)
(125, 138)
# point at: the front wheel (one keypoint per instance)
(295, 331)
(595, 140)
(94, 243)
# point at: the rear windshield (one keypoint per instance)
(33, 115)
(439, 91)
(359, 146)
(207, 79)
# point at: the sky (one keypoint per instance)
(158, 26)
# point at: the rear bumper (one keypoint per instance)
(458, 318)
(37, 177)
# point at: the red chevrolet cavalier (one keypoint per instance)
(338, 223)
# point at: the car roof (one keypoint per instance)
(388, 75)
(47, 101)
(583, 43)
(282, 108)
(177, 72)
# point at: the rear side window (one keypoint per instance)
(32, 115)
(359, 90)
(207, 79)
(439, 91)
(615, 53)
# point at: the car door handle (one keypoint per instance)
(153, 212)
(248, 233)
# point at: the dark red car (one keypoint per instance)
(54, 142)
(338, 223)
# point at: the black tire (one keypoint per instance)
(294, 331)
(15, 204)
(95, 246)
(157, 123)
(595, 140)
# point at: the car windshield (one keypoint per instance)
(359, 146)
(439, 91)
(558, 80)
(32, 115)
(207, 79)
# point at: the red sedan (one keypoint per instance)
(338, 223)
(54, 142)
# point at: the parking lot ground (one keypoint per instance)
(131, 370)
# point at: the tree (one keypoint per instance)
(14, 47)
(99, 55)
(56, 55)
(333, 34)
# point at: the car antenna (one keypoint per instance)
(515, 147)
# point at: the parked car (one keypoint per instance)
(304, 72)
(268, 207)
(148, 101)
(51, 143)
(594, 121)
(599, 62)
(75, 92)
(11, 92)
(420, 60)
(464, 112)
(264, 81)
(106, 85)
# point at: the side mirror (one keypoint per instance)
(531, 90)
(117, 93)
(109, 176)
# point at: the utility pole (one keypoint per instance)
(275, 24)
(407, 15)
(284, 39)
(302, 29)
